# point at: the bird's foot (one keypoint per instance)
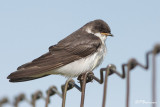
(88, 78)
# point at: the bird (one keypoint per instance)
(81, 51)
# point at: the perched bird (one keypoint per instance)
(81, 51)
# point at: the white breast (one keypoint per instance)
(85, 64)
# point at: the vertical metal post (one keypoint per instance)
(128, 87)
(83, 89)
(154, 81)
(105, 88)
(47, 99)
(64, 92)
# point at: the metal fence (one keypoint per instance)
(89, 76)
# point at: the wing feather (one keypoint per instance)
(73, 47)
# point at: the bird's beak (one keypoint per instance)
(107, 34)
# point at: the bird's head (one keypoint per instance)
(98, 27)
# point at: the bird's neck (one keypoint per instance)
(102, 37)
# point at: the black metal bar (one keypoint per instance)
(36, 96)
(156, 50)
(153, 81)
(4, 101)
(64, 90)
(50, 92)
(105, 87)
(18, 99)
(83, 88)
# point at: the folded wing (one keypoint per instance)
(72, 48)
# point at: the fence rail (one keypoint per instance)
(88, 77)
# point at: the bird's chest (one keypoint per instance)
(99, 56)
(83, 65)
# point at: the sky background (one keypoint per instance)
(29, 27)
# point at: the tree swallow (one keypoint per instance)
(81, 51)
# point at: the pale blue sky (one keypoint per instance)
(29, 27)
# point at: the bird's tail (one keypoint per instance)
(25, 75)
(21, 79)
